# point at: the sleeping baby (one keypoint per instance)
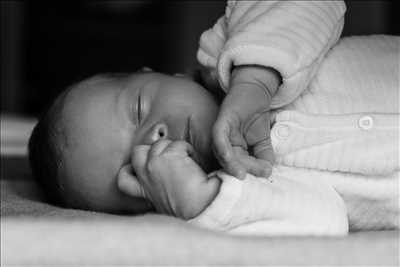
(143, 142)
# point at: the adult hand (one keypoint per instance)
(241, 133)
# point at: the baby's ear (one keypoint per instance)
(127, 182)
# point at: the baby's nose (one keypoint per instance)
(158, 131)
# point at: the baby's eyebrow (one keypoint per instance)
(118, 99)
(120, 105)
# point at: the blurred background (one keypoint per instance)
(47, 45)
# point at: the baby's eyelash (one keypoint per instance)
(139, 109)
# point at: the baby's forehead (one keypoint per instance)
(104, 82)
(84, 102)
(97, 82)
(90, 90)
(89, 119)
(103, 89)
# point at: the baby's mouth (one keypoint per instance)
(187, 133)
(189, 138)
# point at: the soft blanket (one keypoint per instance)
(35, 233)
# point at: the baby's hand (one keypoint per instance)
(172, 180)
(241, 134)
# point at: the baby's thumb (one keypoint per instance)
(259, 137)
(128, 183)
(263, 150)
(139, 160)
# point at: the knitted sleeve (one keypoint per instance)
(280, 205)
(289, 36)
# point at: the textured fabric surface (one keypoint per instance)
(348, 118)
(336, 114)
(280, 205)
(289, 36)
(34, 233)
(298, 201)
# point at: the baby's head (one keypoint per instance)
(80, 147)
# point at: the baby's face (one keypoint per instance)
(105, 118)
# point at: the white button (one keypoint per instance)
(282, 131)
(366, 122)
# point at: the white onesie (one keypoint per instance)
(335, 117)
(279, 205)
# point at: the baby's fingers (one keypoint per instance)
(229, 162)
(128, 183)
(139, 160)
(236, 169)
(257, 135)
(180, 147)
(226, 136)
(158, 147)
(221, 142)
(263, 150)
(257, 167)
